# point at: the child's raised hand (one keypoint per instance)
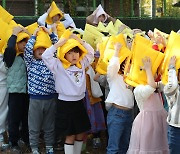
(121, 28)
(49, 10)
(60, 42)
(45, 29)
(17, 30)
(117, 47)
(160, 39)
(26, 31)
(54, 28)
(146, 63)
(36, 31)
(74, 36)
(172, 61)
(151, 35)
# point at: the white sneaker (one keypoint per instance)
(35, 152)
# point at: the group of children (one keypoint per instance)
(43, 80)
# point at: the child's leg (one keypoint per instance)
(35, 119)
(49, 123)
(78, 143)
(118, 121)
(69, 144)
(16, 112)
(3, 110)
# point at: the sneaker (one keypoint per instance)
(15, 150)
(25, 147)
(4, 147)
(50, 151)
(96, 143)
(35, 152)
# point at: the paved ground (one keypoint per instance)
(89, 147)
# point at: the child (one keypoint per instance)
(94, 107)
(120, 117)
(18, 102)
(3, 101)
(149, 131)
(99, 15)
(171, 91)
(68, 22)
(72, 120)
(41, 89)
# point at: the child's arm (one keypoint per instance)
(68, 20)
(101, 79)
(48, 55)
(28, 53)
(114, 65)
(42, 19)
(172, 85)
(147, 67)
(10, 51)
(143, 92)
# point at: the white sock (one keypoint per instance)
(78, 147)
(69, 148)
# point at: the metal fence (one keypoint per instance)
(82, 8)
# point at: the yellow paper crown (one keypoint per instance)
(172, 49)
(70, 44)
(4, 15)
(42, 40)
(54, 11)
(117, 24)
(91, 35)
(141, 48)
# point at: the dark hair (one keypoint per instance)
(23, 40)
(76, 49)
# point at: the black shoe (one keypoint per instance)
(59, 145)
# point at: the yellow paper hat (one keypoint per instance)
(117, 24)
(5, 16)
(60, 29)
(91, 35)
(172, 49)
(78, 31)
(70, 44)
(140, 50)
(3, 30)
(31, 28)
(54, 11)
(101, 27)
(101, 66)
(109, 52)
(42, 40)
(111, 29)
(20, 36)
(162, 33)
